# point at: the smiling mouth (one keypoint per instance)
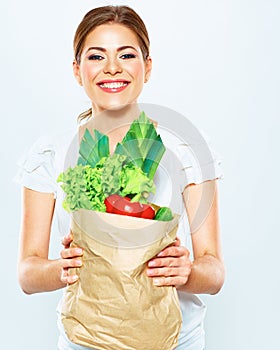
(113, 86)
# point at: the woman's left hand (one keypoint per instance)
(171, 267)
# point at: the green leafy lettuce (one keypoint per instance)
(134, 181)
(87, 187)
(83, 188)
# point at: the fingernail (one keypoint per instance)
(79, 251)
(156, 281)
(79, 262)
(151, 263)
(73, 278)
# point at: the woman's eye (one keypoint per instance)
(95, 57)
(128, 55)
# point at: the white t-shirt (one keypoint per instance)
(183, 163)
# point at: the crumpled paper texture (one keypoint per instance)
(114, 304)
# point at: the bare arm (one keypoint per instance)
(35, 271)
(205, 274)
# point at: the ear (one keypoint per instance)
(76, 71)
(148, 69)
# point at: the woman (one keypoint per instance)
(112, 63)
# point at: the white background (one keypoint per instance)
(217, 62)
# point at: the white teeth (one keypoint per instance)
(114, 85)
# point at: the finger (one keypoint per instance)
(71, 253)
(169, 272)
(177, 242)
(174, 251)
(166, 261)
(68, 279)
(170, 281)
(66, 263)
(66, 240)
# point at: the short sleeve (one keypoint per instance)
(36, 167)
(197, 160)
(200, 162)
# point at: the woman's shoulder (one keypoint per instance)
(200, 162)
(41, 164)
(55, 140)
(54, 144)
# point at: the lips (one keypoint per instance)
(113, 85)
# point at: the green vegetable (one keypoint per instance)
(135, 182)
(142, 145)
(87, 187)
(112, 174)
(94, 188)
(164, 214)
(128, 172)
(93, 148)
(82, 185)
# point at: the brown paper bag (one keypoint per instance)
(114, 304)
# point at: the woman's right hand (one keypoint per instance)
(71, 257)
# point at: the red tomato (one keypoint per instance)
(148, 212)
(117, 204)
(123, 206)
(110, 202)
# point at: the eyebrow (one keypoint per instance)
(98, 48)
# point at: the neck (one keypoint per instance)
(108, 120)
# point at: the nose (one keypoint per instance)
(112, 66)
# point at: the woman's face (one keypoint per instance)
(112, 69)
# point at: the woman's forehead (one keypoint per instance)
(111, 35)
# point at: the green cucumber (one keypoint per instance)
(164, 214)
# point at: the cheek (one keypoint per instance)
(138, 72)
(88, 72)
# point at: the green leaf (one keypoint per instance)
(136, 183)
(132, 151)
(111, 176)
(93, 148)
(103, 144)
(142, 145)
(143, 121)
(153, 157)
